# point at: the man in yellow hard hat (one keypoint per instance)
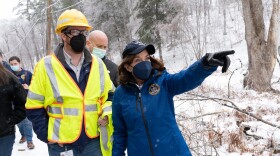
(69, 99)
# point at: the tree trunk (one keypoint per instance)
(53, 30)
(261, 53)
(208, 11)
(205, 7)
(225, 17)
(48, 29)
(36, 49)
(158, 37)
(159, 45)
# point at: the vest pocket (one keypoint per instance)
(55, 110)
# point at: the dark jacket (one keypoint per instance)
(12, 102)
(7, 66)
(113, 71)
(39, 117)
(24, 76)
(153, 105)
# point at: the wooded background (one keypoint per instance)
(187, 24)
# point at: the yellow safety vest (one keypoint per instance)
(54, 89)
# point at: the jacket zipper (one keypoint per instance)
(145, 124)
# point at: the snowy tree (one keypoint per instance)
(262, 50)
(112, 17)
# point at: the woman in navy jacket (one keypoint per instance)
(143, 108)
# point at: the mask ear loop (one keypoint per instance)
(66, 34)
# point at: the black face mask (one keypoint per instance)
(78, 43)
(142, 70)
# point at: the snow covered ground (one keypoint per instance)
(40, 149)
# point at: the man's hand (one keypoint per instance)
(103, 122)
(218, 59)
(25, 86)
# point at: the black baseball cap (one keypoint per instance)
(136, 47)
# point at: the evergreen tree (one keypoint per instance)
(153, 14)
(112, 17)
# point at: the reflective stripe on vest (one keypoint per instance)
(67, 111)
(56, 129)
(91, 108)
(35, 96)
(53, 80)
(56, 94)
(107, 109)
(104, 136)
(102, 77)
(103, 129)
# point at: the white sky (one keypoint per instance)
(6, 9)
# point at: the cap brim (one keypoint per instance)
(150, 49)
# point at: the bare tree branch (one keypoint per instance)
(231, 76)
(220, 100)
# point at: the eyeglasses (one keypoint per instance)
(75, 32)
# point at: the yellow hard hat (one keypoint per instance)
(71, 17)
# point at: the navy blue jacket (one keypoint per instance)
(39, 117)
(7, 66)
(24, 76)
(153, 104)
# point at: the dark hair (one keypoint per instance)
(126, 76)
(5, 75)
(14, 58)
(1, 53)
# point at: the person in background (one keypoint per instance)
(24, 77)
(70, 97)
(97, 43)
(143, 107)
(12, 109)
(4, 63)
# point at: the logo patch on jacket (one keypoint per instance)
(154, 89)
(22, 77)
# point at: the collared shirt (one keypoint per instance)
(76, 69)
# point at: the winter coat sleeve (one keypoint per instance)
(39, 119)
(120, 130)
(107, 96)
(19, 100)
(188, 79)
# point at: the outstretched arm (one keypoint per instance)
(193, 76)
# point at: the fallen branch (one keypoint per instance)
(234, 107)
(192, 118)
